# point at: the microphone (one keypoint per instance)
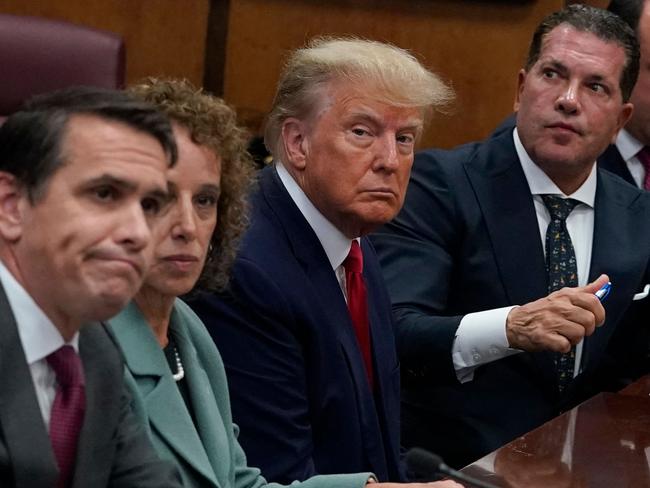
(426, 465)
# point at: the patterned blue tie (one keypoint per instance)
(562, 270)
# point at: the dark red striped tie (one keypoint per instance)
(67, 412)
(358, 304)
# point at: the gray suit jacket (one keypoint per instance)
(207, 453)
(113, 449)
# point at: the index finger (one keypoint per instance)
(589, 301)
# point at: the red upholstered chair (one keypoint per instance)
(38, 55)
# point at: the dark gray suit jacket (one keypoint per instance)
(468, 240)
(113, 451)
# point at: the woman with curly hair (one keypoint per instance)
(172, 366)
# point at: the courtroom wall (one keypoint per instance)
(237, 46)
(163, 37)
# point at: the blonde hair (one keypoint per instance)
(213, 124)
(392, 74)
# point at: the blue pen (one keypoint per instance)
(604, 291)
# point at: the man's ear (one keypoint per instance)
(623, 117)
(294, 141)
(521, 80)
(11, 218)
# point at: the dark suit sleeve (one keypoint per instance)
(256, 333)
(417, 255)
(135, 463)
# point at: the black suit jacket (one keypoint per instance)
(113, 448)
(612, 161)
(468, 240)
(297, 382)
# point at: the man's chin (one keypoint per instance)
(108, 304)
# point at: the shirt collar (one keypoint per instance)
(38, 335)
(541, 184)
(334, 242)
(628, 146)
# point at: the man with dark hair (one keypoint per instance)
(494, 261)
(82, 180)
(629, 155)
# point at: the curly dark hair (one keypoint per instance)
(213, 124)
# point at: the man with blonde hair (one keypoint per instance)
(305, 329)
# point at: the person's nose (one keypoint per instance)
(387, 155)
(134, 231)
(568, 101)
(184, 225)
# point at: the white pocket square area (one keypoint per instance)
(643, 294)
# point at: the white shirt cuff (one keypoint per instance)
(480, 339)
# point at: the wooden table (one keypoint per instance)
(604, 442)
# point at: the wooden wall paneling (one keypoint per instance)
(163, 37)
(478, 46)
(215, 48)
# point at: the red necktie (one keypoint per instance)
(644, 158)
(67, 412)
(358, 304)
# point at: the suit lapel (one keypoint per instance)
(509, 212)
(22, 428)
(611, 160)
(507, 206)
(167, 412)
(210, 427)
(310, 254)
(617, 226)
(384, 360)
(97, 430)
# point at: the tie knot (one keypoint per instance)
(354, 262)
(67, 366)
(644, 157)
(559, 207)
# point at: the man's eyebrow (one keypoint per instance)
(554, 63)
(161, 195)
(415, 126)
(371, 118)
(110, 180)
(364, 117)
(559, 66)
(127, 186)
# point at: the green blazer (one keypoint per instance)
(208, 453)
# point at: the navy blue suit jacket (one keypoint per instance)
(296, 375)
(611, 160)
(468, 240)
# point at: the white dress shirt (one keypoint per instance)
(629, 147)
(334, 242)
(481, 336)
(39, 338)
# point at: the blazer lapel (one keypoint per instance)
(167, 411)
(611, 160)
(310, 253)
(507, 206)
(210, 427)
(618, 225)
(509, 212)
(22, 428)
